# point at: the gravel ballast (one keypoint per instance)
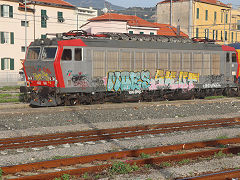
(62, 119)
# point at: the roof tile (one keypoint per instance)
(164, 29)
(58, 2)
(215, 2)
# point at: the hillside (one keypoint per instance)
(97, 4)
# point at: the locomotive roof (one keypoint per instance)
(134, 44)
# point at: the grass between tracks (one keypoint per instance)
(10, 94)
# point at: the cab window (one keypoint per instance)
(234, 57)
(49, 53)
(78, 54)
(67, 55)
(33, 53)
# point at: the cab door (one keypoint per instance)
(67, 66)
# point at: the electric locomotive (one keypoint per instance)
(76, 68)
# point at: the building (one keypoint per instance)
(119, 23)
(204, 19)
(18, 30)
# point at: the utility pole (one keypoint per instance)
(25, 26)
(190, 19)
(225, 19)
(170, 13)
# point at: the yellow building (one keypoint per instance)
(202, 19)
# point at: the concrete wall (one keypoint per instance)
(180, 14)
(116, 27)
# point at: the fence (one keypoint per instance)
(11, 78)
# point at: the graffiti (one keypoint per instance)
(80, 80)
(173, 80)
(213, 85)
(137, 81)
(39, 68)
(214, 78)
(69, 73)
(98, 83)
(41, 76)
(213, 81)
(126, 81)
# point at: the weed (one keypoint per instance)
(184, 161)
(57, 179)
(165, 164)
(9, 88)
(60, 157)
(222, 146)
(238, 154)
(97, 176)
(222, 137)
(86, 175)
(66, 177)
(144, 156)
(220, 154)
(123, 168)
(148, 179)
(214, 97)
(147, 166)
(1, 172)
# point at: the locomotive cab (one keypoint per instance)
(40, 73)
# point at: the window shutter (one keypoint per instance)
(12, 37)
(11, 64)
(10, 11)
(43, 18)
(1, 10)
(2, 38)
(2, 64)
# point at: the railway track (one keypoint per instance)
(108, 134)
(98, 163)
(223, 175)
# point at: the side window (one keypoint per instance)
(67, 55)
(234, 57)
(228, 57)
(78, 54)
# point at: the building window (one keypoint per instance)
(25, 22)
(44, 18)
(60, 16)
(236, 37)
(238, 25)
(130, 32)
(232, 37)
(7, 38)
(197, 32)
(214, 34)
(43, 36)
(6, 11)
(226, 20)
(225, 36)
(197, 13)
(221, 36)
(7, 64)
(222, 17)
(141, 32)
(23, 49)
(206, 15)
(215, 17)
(151, 33)
(206, 33)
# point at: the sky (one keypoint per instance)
(151, 3)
